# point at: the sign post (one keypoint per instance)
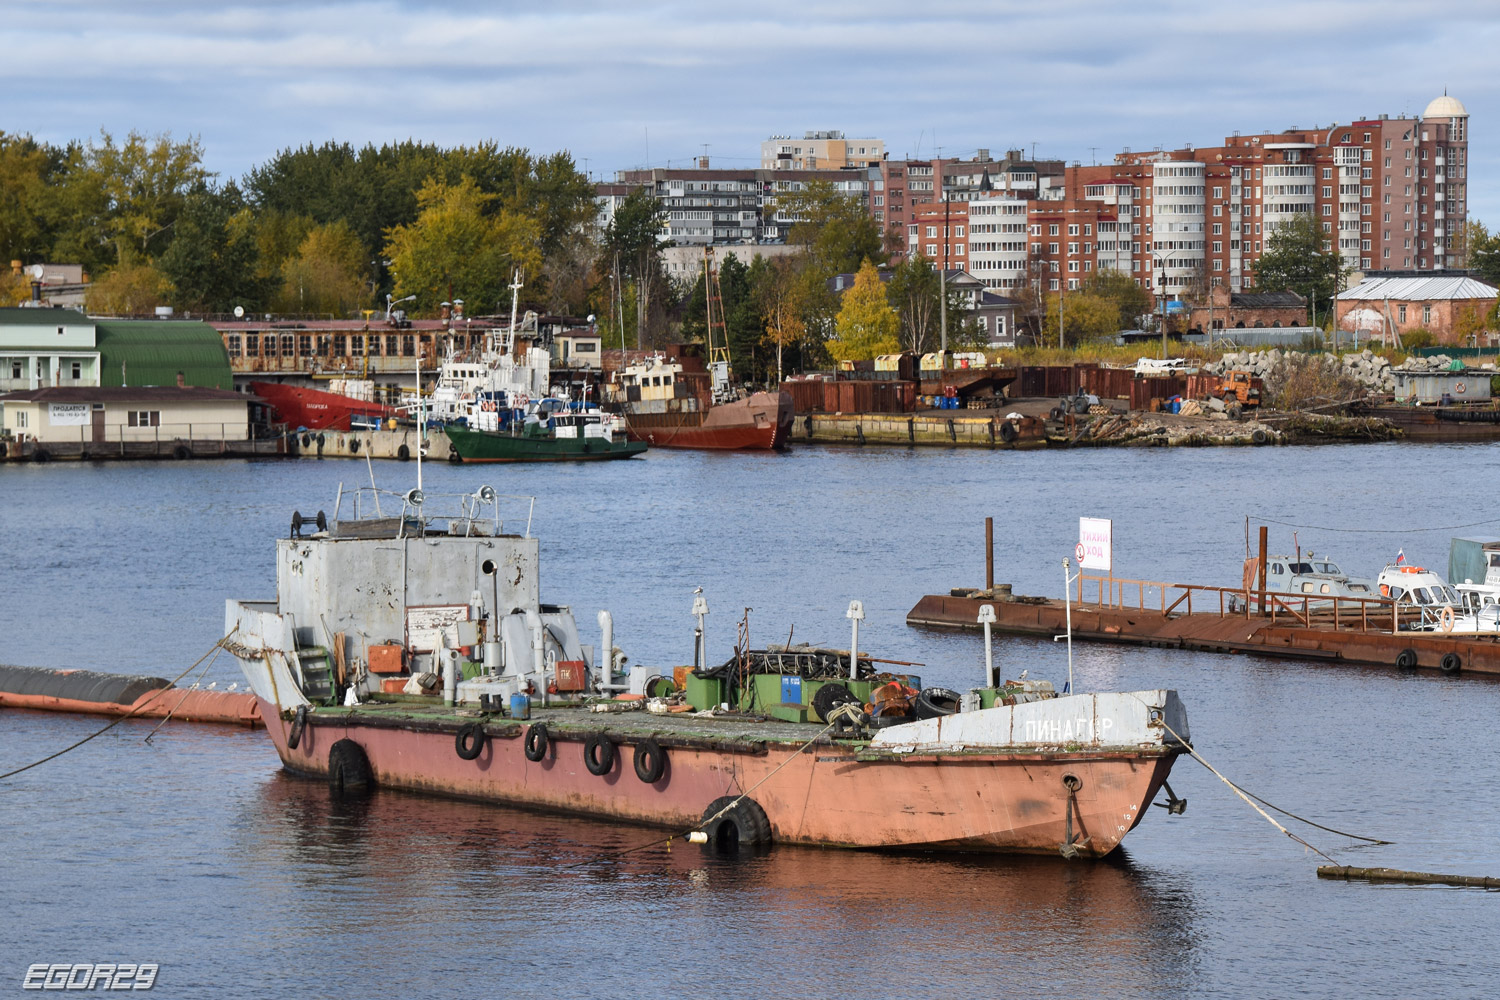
(1095, 548)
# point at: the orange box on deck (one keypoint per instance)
(387, 659)
(393, 685)
(571, 675)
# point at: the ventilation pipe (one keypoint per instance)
(538, 657)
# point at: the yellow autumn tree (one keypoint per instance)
(866, 324)
(462, 246)
(327, 273)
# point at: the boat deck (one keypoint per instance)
(745, 733)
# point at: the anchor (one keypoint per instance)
(1174, 806)
(1070, 845)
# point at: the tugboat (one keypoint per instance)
(551, 431)
(669, 408)
(407, 631)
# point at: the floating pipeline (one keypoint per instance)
(94, 693)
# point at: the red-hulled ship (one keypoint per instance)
(317, 410)
(669, 408)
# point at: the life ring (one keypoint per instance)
(1008, 432)
(598, 754)
(299, 723)
(403, 453)
(735, 821)
(1458, 388)
(349, 770)
(535, 744)
(1445, 620)
(1406, 659)
(1451, 664)
(650, 761)
(469, 743)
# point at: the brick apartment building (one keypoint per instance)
(1389, 193)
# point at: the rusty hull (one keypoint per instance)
(1212, 632)
(831, 794)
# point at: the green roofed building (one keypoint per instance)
(154, 352)
(63, 348)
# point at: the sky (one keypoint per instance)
(624, 85)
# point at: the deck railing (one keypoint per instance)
(1172, 599)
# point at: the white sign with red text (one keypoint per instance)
(1095, 541)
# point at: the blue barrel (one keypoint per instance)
(520, 706)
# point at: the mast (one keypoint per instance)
(718, 346)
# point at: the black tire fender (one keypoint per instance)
(829, 697)
(454, 458)
(935, 701)
(349, 772)
(733, 821)
(536, 742)
(650, 761)
(469, 742)
(1406, 659)
(403, 453)
(181, 452)
(299, 723)
(1259, 436)
(598, 754)
(354, 444)
(1008, 432)
(1451, 663)
(41, 455)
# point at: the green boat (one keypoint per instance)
(565, 437)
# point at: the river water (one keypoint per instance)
(198, 853)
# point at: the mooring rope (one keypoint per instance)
(1380, 531)
(1242, 794)
(189, 690)
(134, 709)
(1303, 819)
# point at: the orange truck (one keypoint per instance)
(1240, 387)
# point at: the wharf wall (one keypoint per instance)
(165, 448)
(399, 444)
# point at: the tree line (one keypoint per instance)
(327, 229)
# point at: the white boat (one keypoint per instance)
(1308, 574)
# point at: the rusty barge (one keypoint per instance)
(1352, 630)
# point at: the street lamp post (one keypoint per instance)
(1161, 298)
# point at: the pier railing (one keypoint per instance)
(1365, 614)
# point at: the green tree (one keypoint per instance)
(836, 233)
(133, 289)
(144, 183)
(1085, 316)
(778, 290)
(1484, 253)
(1125, 292)
(211, 261)
(28, 172)
(914, 292)
(1300, 258)
(866, 325)
(326, 275)
(631, 252)
(459, 246)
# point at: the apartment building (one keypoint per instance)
(820, 151)
(899, 187)
(708, 206)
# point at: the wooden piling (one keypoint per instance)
(989, 553)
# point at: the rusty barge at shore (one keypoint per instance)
(1221, 620)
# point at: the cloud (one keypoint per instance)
(1079, 79)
